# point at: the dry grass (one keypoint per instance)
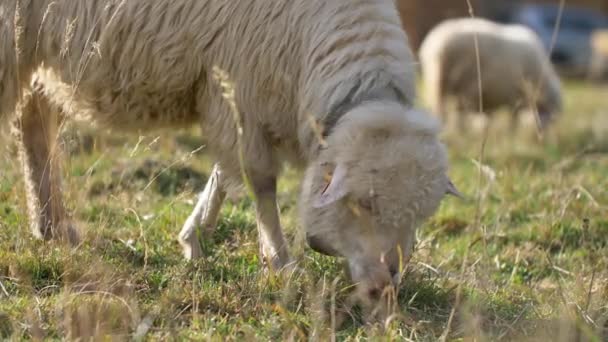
(527, 260)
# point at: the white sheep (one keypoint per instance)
(515, 70)
(326, 84)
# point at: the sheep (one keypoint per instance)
(515, 70)
(325, 85)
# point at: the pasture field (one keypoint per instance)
(524, 257)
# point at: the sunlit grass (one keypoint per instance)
(537, 264)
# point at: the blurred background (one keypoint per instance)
(576, 53)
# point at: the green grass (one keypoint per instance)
(528, 260)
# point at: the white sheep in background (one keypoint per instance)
(515, 70)
(302, 71)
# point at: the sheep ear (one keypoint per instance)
(335, 190)
(452, 190)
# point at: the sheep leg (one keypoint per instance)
(39, 126)
(204, 215)
(273, 247)
(462, 115)
(514, 121)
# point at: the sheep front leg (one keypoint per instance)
(273, 247)
(514, 121)
(204, 215)
(38, 129)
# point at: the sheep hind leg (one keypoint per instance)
(38, 128)
(204, 216)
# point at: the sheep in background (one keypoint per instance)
(324, 84)
(515, 70)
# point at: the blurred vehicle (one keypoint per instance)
(572, 53)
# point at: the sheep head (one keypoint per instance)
(550, 105)
(382, 173)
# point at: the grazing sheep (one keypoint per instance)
(324, 84)
(515, 70)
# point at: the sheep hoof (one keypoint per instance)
(280, 262)
(192, 251)
(188, 239)
(192, 248)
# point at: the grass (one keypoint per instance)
(530, 264)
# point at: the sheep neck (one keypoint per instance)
(390, 93)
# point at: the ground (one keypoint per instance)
(524, 256)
